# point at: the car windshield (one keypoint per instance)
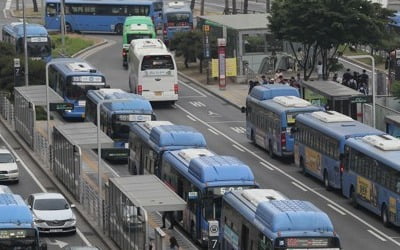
(6, 158)
(51, 204)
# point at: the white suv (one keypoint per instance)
(8, 166)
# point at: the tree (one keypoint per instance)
(188, 44)
(321, 26)
(35, 6)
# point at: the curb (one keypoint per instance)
(90, 48)
(57, 184)
(199, 84)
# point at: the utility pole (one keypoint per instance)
(226, 11)
(202, 8)
(26, 70)
(234, 12)
(268, 6)
(62, 26)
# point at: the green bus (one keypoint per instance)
(135, 27)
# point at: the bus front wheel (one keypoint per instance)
(68, 27)
(326, 181)
(303, 167)
(118, 29)
(270, 150)
(385, 216)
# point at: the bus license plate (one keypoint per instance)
(55, 230)
(158, 93)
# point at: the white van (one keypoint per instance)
(152, 70)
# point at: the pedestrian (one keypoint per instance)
(346, 77)
(363, 89)
(363, 80)
(263, 80)
(319, 70)
(170, 216)
(278, 74)
(280, 79)
(352, 83)
(173, 243)
(335, 77)
(252, 84)
(271, 81)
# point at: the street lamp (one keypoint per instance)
(373, 83)
(26, 70)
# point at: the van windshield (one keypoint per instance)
(157, 62)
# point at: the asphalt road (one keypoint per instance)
(224, 126)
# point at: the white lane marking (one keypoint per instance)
(238, 147)
(191, 117)
(239, 130)
(197, 104)
(211, 113)
(295, 179)
(336, 209)
(226, 122)
(266, 166)
(194, 89)
(299, 186)
(42, 188)
(376, 235)
(213, 131)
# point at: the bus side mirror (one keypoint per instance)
(243, 109)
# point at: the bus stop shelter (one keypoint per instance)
(129, 200)
(393, 125)
(247, 38)
(26, 99)
(338, 97)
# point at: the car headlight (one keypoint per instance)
(71, 220)
(39, 221)
(13, 171)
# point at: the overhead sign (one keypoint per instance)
(61, 106)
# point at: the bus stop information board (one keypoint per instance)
(61, 106)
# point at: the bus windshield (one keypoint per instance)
(212, 207)
(131, 37)
(178, 19)
(16, 239)
(39, 49)
(120, 129)
(157, 62)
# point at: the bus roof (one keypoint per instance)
(336, 127)
(74, 66)
(384, 148)
(106, 2)
(32, 29)
(13, 210)
(163, 135)
(292, 215)
(268, 91)
(280, 104)
(149, 46)
(176, 7)
(205, 169)
(137, 103)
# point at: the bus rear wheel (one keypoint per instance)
(326, 181)
(353, 198)
(270, 150)
(68, 27)
(303, 167)
(385, 216)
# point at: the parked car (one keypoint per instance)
(8, 166)
(52, 213)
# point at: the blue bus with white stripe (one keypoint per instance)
(119, 110)
(149, 140)
(271, 222)
(106, 16)
(201, 178)
(320, 139)
(71, 78)
(269, 122)
(17, 229)
(371, 176)
(38, 40)
(177, 17)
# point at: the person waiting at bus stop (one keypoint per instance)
(170, 215)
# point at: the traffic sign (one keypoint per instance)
(361, 99)
(61, 106)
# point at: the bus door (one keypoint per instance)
(52, 19)
(158, 77)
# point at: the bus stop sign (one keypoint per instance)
(61, 106)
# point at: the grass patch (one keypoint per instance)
(73, 44)
(379, 61)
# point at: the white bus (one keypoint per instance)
(152, 70)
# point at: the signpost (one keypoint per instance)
(17, 71)
(221, 60)
(61, 106)
(206, 48)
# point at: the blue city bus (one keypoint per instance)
(266, 223)
(157, 13)
(17, 229)
(95, 16)
(269, 122)
(38, 40)
(371, 176)
(269, 91)
(320, 138)
(177, 17)
(71, 78)
(118, 111)
(201, 178)
(149, 140)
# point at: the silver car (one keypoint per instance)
(8, 166)
(52, 213)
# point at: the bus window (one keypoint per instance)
(131, 37)
(76, 92)
(157, 62)
(178, 19)
(51, 9)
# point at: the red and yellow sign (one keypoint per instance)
(313, 160)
